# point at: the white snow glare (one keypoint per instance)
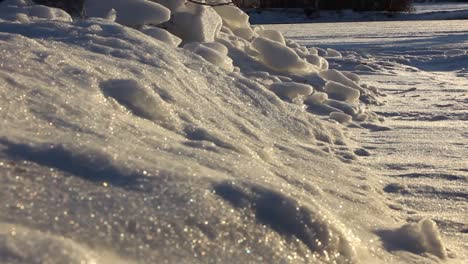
(172, 132)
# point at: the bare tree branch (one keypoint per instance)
(208, 4)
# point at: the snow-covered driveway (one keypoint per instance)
(421, 155)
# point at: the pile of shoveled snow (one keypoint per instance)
(116, 139)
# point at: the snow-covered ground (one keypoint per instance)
(421, 11)
(236, 147)
(422, 158)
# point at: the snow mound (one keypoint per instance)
(149, 136)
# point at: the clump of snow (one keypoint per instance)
(316, 98)
(340, 117)
(279, 57)
(342, 92)
(272, 34)
(291, 90)
(236, 20)
(332, 53)
(420, 237)
(129, 12)
(195, 23)
(215, 53)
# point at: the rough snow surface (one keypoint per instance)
(115, 145)
(420, 150)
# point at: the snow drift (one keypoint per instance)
(209, 152)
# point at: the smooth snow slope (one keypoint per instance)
(422, 157)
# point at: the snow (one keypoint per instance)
(186, 135)
(342, 92)
(148, 12)
(195, 23)
(291, 90)
(18, 10)
(419, 152)
(420, 237)
(279, 57)
(341, 117)
(162, 35)
(421, 11)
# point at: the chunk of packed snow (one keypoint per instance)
(236, 20)
(292, 44)
(279, 57)
(316, 98)
(342, 92)
(216, 46)
(343, 106)
(291, 90)
(272, 34)
(161, 35)
(212, 53)
(364, 68)
(354, 77)
(331, 53)
(337, 76)
(313, 51)
(420, 237)
(195, 23)
(129, 12)
(340, 117)
(314, 60)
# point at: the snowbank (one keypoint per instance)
(205, 152)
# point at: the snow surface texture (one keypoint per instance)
(114, 143)
(421, 151)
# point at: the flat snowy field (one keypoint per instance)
(421, 11)
(422, 160)
(122, 145)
